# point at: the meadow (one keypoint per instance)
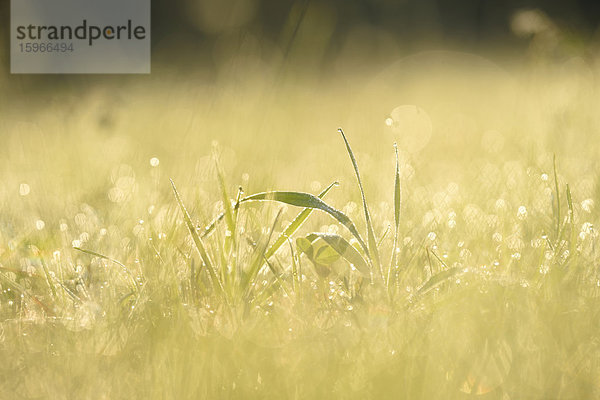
(168, 238)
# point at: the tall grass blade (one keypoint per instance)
(295, 270)
(570, 204)
(48, 278)
(374, 252)
(198, 243)
(229, 215)
(573, 233)
(437, 279)
(397, 208)
(259, 258)
(278, 276)
(295, 224)
(438, 258)
(558, 221)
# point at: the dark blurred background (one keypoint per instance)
(332, 36)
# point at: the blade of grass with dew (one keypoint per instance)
(571, 218)
(384, 235)
(229, 218)
(560, 243)
(295, 278)
(307, 200)
(235, 269)
(344, 249)
(213, 224)
(439, 259)
(46, 273)
(198, 243)
(557, 198)
(374, 252)
(229, 241)
(437, 279)
(257, 262)
(397, 208)
(277, 275)
(570, 204)
(295, 224)
(573, 233)
(236, 207)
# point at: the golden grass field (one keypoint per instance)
(483, 281)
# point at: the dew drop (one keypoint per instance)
(24, 189)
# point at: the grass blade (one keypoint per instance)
(259, 258)
(558, 222)
(397, 208)
(437, 279)
(570, 203)
(229, 217)
(573, 233)
(198, 243)
(370, 232)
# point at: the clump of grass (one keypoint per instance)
(237, 284)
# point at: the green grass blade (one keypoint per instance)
(93, 253)
(236, 207)
(48, 278)
(307, 200)
(295, 224)
(383, 236)
(295, 276)
(374, 252)
(570, 203)
(211, 227)
(213, 224)
(397, 191)
(558, 221)
(573, 233)
(344, 249)
(229, 218)
(277, 276)
(437, 279)
(198, 243)
(259, 258)
(397, 208)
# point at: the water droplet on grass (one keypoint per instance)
(24, 189)
(522, 213)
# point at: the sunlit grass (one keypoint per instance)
(464, 264)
